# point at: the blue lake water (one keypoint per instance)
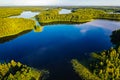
(56, 45)
(65, 11)
(26, 14)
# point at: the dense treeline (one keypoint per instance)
(110, 16)
(12, 37)
(12, 26)
(107, 64)
(83, 72)
(80, 16)
(51, 11)
(63, 17)
(32, 8)
(115, 37)
(77, 16)
(93, 13)
(110, 9)
(12, 11)
(60, 22)
(6, 12)
(17, 71)
(104, 65)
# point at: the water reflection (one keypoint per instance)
(12, 37)
(61, 22)
(108, 24)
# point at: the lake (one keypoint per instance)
(57, 44)
(26, 14)
(64, 11)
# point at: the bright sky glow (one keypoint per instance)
(59, 2)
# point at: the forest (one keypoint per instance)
(115, 37)
(13, 11)
(7, 12)
(103, 66)
(12, 26)
(76, 16)
(80, 16)
(17, 71)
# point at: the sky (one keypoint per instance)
(60, 2)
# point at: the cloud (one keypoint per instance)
(110, 25)
(83, 31)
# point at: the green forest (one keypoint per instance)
(103, 66)
(12, 26)
(115, 37)
(17, 71)
(13, 11)
(77, 16)
(7, 12)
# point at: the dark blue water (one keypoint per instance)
(56, 45)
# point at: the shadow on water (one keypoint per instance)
(61, 22)
(12, 37)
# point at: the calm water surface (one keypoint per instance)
(56, 45)
(26, 14)
(65, 11)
